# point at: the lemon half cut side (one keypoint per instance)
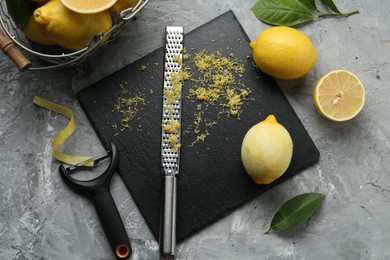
(88, 6)
(339, 95)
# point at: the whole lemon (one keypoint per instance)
(35, 33)
(283, 52)
(69, 29)
(121, 5)
(40, 1)
(266, 151)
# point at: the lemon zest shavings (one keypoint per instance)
(142, 68)
(218, 83)
(172, 127)
(173, 95)
(127, 106)
(173, 142)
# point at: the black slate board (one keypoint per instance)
(212, 180)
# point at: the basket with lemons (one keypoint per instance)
(71, 25)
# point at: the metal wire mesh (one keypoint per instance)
(59, 57)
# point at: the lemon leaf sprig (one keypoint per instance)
(295, 211)
(294, 12)
(20, 11)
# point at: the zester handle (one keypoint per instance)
(168, 218)
(12, 51)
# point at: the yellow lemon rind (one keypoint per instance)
(88, 11)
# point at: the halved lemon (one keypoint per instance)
(88, 6)
(339, 95)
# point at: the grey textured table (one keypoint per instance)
(40, 218)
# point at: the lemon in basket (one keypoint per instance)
(88, 6)
(40, 1)
(121, 5)
(69, 29)
(35, 33)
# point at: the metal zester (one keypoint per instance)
(170, 156)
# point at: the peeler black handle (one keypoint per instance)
(98, 190)
(112, 223)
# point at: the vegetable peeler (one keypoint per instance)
(98, 191)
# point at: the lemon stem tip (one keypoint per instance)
(271, 119)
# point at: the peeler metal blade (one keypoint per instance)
(170, 140)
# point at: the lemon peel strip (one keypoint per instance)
(64, 134)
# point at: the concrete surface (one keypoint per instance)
(40, 218)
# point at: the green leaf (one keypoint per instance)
(331, 6)
(310, 4)
(296, 210)
(20, 11)
(282, 12)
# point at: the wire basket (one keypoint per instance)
(59, 57)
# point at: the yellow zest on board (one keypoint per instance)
(339, 96)
(128, 106)
(218, 84)
(198, 121)
(217, 63)
(211, 124)
(203, 61)
(186, 55)
(88, 6)
(64, 134)
(234, 102)
(200, 138)
(223, 80)
(142, 68)
(207, 95)
(218, 80)
(245, 92)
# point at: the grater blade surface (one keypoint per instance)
(170, 154)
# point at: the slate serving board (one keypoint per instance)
(212, 180)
